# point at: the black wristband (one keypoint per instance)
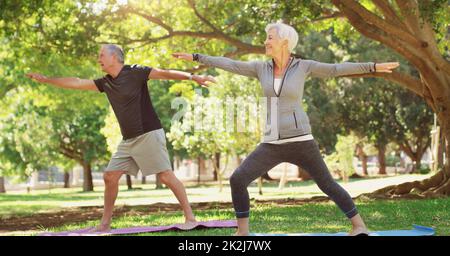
(195, 56)
(374, 67)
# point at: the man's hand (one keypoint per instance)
(203, 80)
(183, 56)
(37, 77)
(386, 67)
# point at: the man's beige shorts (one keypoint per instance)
(147, 152)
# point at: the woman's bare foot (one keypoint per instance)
(359, 228)
(240, 233)
(243, 228)
(359, 231)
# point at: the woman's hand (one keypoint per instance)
(386, 67)
(184, 56)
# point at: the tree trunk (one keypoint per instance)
(414, 159)
(158, 182)
(363, 158)
(2, 185)
(260, 185)
(66, 179)
(217, 165)
(382, 159)
(129, 183)
(440, 155)
(88, 184)
(417, 162)
(216, 169)
(364, 165)
(303, 175)
(415, 154)
(405, 29)
(176, 162)
(436, 186)
(198, 170)
(201, 168)
(283, 178)
(238, 160)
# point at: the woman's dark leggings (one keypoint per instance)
(304, 154)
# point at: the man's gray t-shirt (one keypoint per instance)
(130, 99)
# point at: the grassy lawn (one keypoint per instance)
(265, 218)
(22, 204)
(313, 217)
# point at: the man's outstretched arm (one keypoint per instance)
(157, 73)
(65, 82)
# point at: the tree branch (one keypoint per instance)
(330, 16)
(389, 13)
(5, 89)
(408, 150)
(409, 82)
(150, 18)
(382, 24)
(69, 154)
(421, 28)
(68, 151)
(410, 53)
(410, 12)
(216, 34)
(203, 19)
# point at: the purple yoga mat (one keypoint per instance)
(135, 230)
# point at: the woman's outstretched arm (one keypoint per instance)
(319, 69)
(245, 68)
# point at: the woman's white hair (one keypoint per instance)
(285, 32)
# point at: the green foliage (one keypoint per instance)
(376, 109)
(424, 170)
(39, 130)
(342, 159)
(61, 38)
(203, 129)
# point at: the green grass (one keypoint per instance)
(265, 218)
(23, 204)
(312, 217)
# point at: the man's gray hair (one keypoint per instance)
(115, 50)
(285, 32)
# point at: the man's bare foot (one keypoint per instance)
(358, 231)
(189, 224)
(101, 228)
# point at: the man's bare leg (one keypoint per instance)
(111, 179)
(170, 180)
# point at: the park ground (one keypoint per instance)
(298, 207)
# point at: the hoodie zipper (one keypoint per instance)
(295, 119)
(281, 84)
(284, 76)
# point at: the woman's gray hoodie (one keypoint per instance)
(285, 115)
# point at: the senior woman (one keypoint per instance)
(288, 137)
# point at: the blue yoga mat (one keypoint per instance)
(416, 231)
